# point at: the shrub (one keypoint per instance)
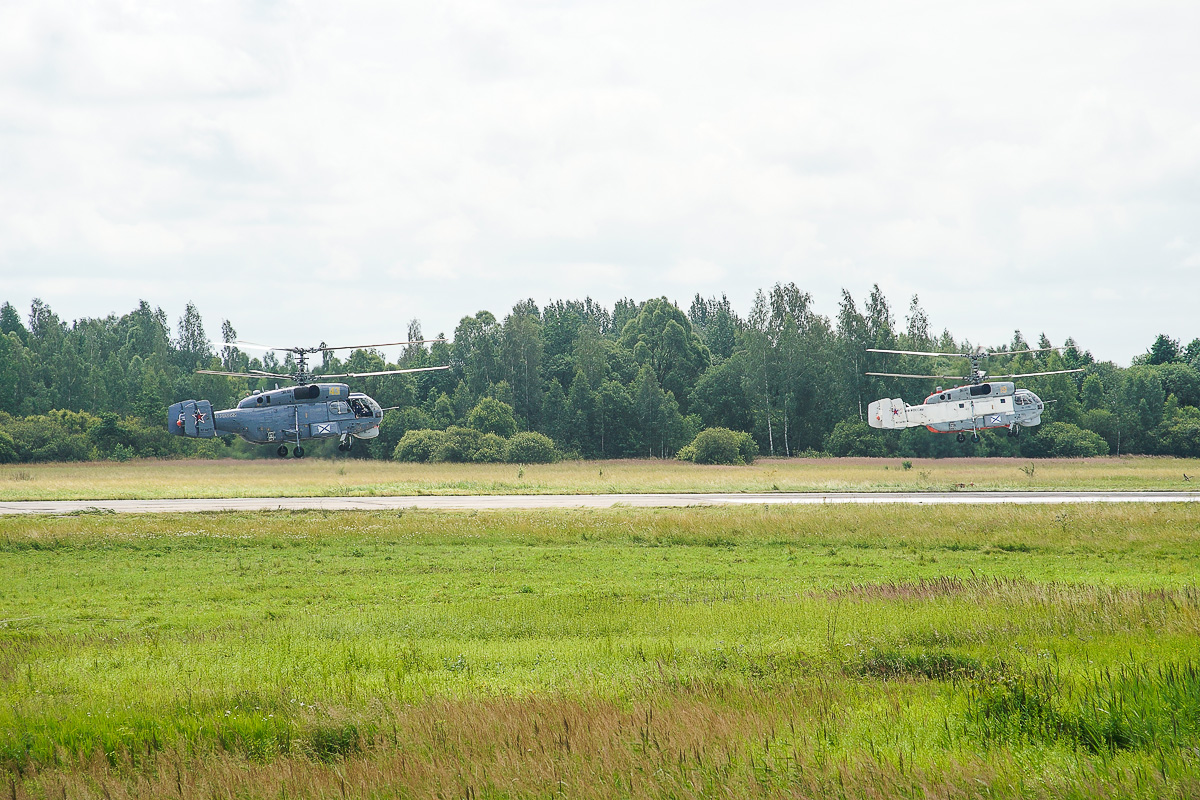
(492, 449)
(459, 445)
(1182, 436)
(1064, 440)
(397, 423)
(419, 445)
(8, 448)
(492, 416)
(1102, 422)
(56, 436)
(854, 438)
(720, 446)
(529, 447)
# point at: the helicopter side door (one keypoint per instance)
(328, 419)
(276, 424)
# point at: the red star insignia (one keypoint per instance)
(200, 417)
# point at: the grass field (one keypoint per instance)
(314, 477)
(735, 652)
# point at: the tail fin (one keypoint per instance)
(192, 418)
(891, 413)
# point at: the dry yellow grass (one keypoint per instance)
(702, 742)
(351, 477)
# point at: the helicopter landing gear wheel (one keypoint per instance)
(282, 451)
(974, 437)
(298, 452)
(346, 443)
(962, 437)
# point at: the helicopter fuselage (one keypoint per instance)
(283, 416)
(970, 408)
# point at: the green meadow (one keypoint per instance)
(152, 479)
(734, 652)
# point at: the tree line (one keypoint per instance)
(639, 379)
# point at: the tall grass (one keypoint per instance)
(747, 651)
(148, 479)
(1130, 706)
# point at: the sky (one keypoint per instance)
(319, 171)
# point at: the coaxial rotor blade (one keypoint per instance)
(901, 375)
(983, 353)
(240, 344)
(254, 373)
(381, 344)
(229, 374)
(916, 353)
(1035, 374)
(1015, 352)
(381, 372)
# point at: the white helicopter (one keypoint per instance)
(978, 405)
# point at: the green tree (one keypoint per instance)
(720, 398)
(854, 438)
(586, 423)
(852, 385)
(442, 412)
(1092, 394)
(661, 337)
(1163, 351)
(192, 347)
(521, 353)
(10, 322)
(476, 350)
(396, 424)
(492, 416)
(463, 401)
(1139, 409)
(15, 371)
(1180, 432)
(759, 372)
(1181, 380)
(556, 412)
(716, 323)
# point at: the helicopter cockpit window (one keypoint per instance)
(339, 407)
(360, 408)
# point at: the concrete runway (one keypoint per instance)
(534, 501)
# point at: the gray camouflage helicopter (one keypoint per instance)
(295, 414)
(973, 407)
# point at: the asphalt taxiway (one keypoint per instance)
(536, 501)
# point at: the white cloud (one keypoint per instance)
(988, 158)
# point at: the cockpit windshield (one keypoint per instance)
(1026, 398)
(364, 406)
